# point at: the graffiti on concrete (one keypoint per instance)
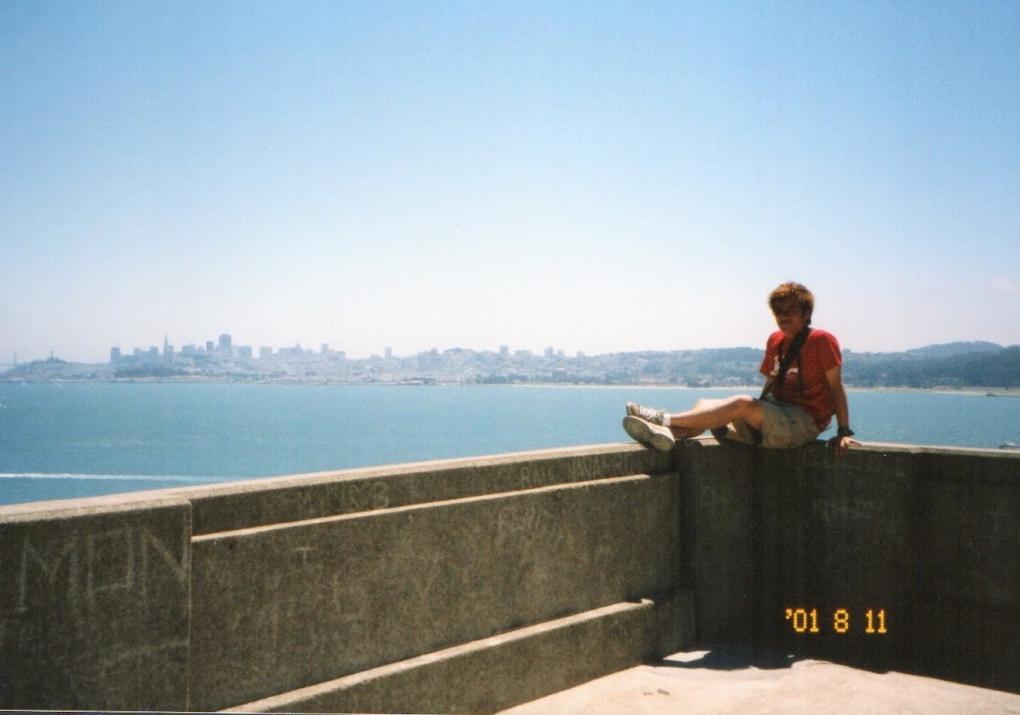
(81, 567)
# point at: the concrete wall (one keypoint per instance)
(474, 584)
(930, 536)
(312, 601)
(95, 605)
(216, 597)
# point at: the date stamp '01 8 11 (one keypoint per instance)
(804, 620)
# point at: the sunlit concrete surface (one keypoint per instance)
(734, 682)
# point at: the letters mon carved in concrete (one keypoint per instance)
(94, 608)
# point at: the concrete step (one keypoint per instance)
(494, 673)
(277, 608)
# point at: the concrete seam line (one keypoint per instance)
(461, 650)
(250, 531)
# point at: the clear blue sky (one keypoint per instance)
(590, 176)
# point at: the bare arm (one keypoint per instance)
(834, 376)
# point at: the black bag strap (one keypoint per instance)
(784, 365)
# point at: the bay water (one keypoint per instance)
(63, 440)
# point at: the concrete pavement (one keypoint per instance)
(706, 682)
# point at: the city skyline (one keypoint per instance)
(600, 178)
(224, 345)
(948, 366)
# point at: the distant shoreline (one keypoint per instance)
(754, 389)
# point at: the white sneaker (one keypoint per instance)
(648, 434)
(649, 414)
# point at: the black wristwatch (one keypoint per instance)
(844, 432)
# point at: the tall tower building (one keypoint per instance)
(225, 344)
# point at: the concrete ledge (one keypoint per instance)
(511, 668)
(238, 505)
(277, 608)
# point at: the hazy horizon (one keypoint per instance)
(599, 177)
(127, 350)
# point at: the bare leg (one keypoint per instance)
(684, 432)
(710, 414)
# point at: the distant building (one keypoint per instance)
(342, 354)
(189, 350)
(244, 351)
(389, 353)
(209, 346)
(504, 350)
(324, 349)
(114, 356)
(549, 352)
(225, 344)
(265, 352)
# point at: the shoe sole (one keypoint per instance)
(644, 432)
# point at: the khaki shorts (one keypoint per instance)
(784, 426)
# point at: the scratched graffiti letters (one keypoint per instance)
(77, 568)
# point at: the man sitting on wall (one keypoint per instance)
(803, 389)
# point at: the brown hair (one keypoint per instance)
(791, 292)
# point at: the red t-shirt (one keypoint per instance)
(819, 354)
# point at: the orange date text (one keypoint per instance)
(809, 620)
